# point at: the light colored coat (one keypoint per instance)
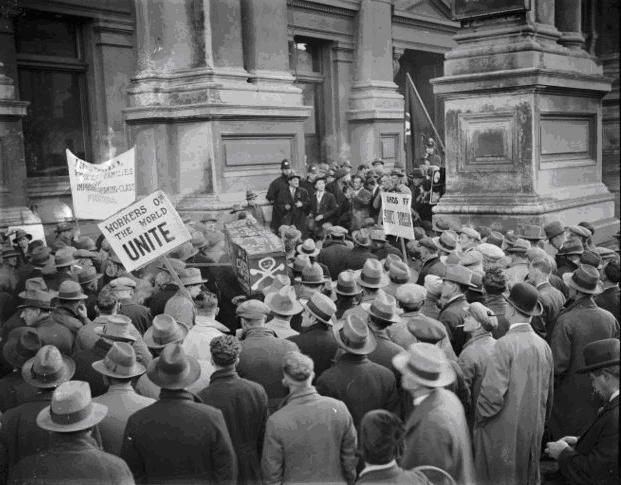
(514, 402)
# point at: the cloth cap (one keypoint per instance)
(580, 231)
(470, 232)
(471, 258)
(553, 229)
(411, 295)
(433, 284)
(252, 309)
(122, 283)
(490, 251)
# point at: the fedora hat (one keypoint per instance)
(70, 290)
(72, 409)
(458, 274)
(573, 246)
(251, 194)
(592, 259)
(372, 274)
(377, 234)
(393, 258)
(291, 233)
(177, 265)
(64, 257)
(525, 298)
(322, 307)
(279, 281)
(531, 232)
(36, 283)
(553, 229)
(41, 256)
(312, 275)
(117, 328)
(476, 282)
(9, 251)
(361, 238)
(163, 331)
(585, 280)
(49, 368)
(519, 246)
(446, 242)
(426, 363)
(88, 274)
(440, 225)
(384, 307)
(191, 276)
(85, 243)
(452, 258)
(173, 369)
(495, 238)
(184, 252)
(198, 240)
(600, 354)
(470, 232)
(354, 336)
(20, 233)
(347, 285)
(399, 272)
(300, 262)
(120, 362)
(22, 344)
(308, 247)
(284, 302)
(36, 299)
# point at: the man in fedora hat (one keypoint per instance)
(178, 439)
(311, 281)
(64, 261)
(334, 250)
(579, 323)
(361, 252)
(354, 379)
(254, 209)
(323, 206)
(294, 447)
(593, 457)
(438, 416)
(551, 299)
(262, 351)
(348, 292)
(518, 268)
(236, 397)
(568, 257)
(371, 278)
(73, 456)
(65, 233)
(515, 398)
(182, 305)
(316, 338)
(610, 298)
(284, 305)
(21, 241)
(431, 260)
(281, 184)
(165, 285)
(124, 288)
(41, 265)
(119, 369)
(454, 306)
(89, 281)
(70, 310)
(22, 344)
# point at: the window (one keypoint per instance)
(52, 77)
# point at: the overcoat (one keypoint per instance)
(552, 301)
(295, 216)
(579, 323)
(360, 208)
(14, 390)
(384, 352)
(610, 300)
(7, 306)
(514, 402)
(333, 255)
(140, 316)
(158, 300)
(355, 259)
(498, 305)
(53, 333)
(237, 398)
(327, 207)
(595, 458)
(85, 372)
(276, 187)
(436, 434)
(318, 342)
(432, 266)
(452, 315)
(178, 440)
(310, 439)
(392, 476)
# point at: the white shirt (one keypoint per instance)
(370, 468)
(614, 394)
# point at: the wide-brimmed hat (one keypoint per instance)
(279, 281)
(426, 363)
(64, 257)
(49, 368)
(88, 274)
(579, 231)
(458, 274)
(174, 369)
(573, 246)
(531, 232)
(554, 228)
(9, 251)
(41, 256)
(177, 265)
(163, 331)
(393, 258)
(361, 238)
(495, 238)
(383, 307)
(291, 233)
(372, 274)
(312, 275)
(446, 242)
(519, 246)
(36, 299)
(117, 328)
(22, 344)
(525, 298)
(600, 354)
(585, 279)
(399, 272)
(592, 259)
(347, 284)
(36, 283)
(120, 362)
(440, 225)
(251, 194)
(354, 336)
(184, 252)
(470, 232)
(191, 276)
(284, 302)
(308, 247)
(198, 240)
(20, 233)
(377, 160)
(72, 409)
(71, 290)
(85, 243)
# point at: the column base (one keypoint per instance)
(573, 41)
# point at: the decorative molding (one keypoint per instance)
(347, 9)
(423, 21)
(41, 187)
(255, 151)
(567, 140)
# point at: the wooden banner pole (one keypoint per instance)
(176, 278)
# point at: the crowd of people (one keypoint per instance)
(467, 359)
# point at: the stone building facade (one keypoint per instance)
(214, 94)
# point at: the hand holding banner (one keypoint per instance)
(396, 214)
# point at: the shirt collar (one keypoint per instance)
(513, 325)
(418, 400)
(371, 468)
(614, 394)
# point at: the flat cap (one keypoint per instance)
(471, 258)
(411, 294)
(490, 251)
(470, 232)
(122, 283)
(252, 309)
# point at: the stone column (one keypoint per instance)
(343, 59)
(568, 20)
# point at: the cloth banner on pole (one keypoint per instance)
(100, 190)
(145, 230)
(396, 214)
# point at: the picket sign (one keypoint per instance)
(397, 215)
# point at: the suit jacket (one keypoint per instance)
(333, 254)
(122, 401)
(327, 208)
(574, 410)
(261, 361)
(392, 476)
(178, 440)
(610, 300)
(440, 420)
(361, 384)
(452, 316)
(595, 459)
(237, 397)
(310, 439)
(72, 459)
(318, 342)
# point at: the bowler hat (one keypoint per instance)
(36, 299)
(573, 246)
(70, 290)
(531, 232)
(49, 368)
(308, 247)
(354, 336)
(41, 256)
(72, 409)
(495, 238)
(22, 344)
(119, 362)
(312, 275)
(525, 298)
(553, 229)
(372, 274)
(347, 285)
(446, 242)
(383, 307)
(252, 309)
(20, 233)
(600, 354)
(173, 369)
(426, 364)
(279, 281)
(64, 257)
(88, 274)
(117, 328)
(191, 277)
(322, 307)
(585, 279)
(458, 274)
(163, 331)
(284, 302)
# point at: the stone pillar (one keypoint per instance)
(342, 76)
(568, 20)
(375, 107)
(523, 126)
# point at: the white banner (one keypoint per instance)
(145, 230)
(396, 214)
(101, 190)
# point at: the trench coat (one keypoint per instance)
(579, 323)
(310, 439)
(514, 402)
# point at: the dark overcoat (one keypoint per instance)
(273, 192)
(14, 390)
(610, 300)
(452, 315)
(295, 216)
(432, 266)
(318, 342)
(355, 258)
(552, 301)
(83, 366)
(54, 333)
(140, 315)
(333, 255)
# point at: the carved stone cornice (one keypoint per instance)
(345, 8)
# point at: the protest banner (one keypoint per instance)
(100, 190)
(145, 230)
(396, 214)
